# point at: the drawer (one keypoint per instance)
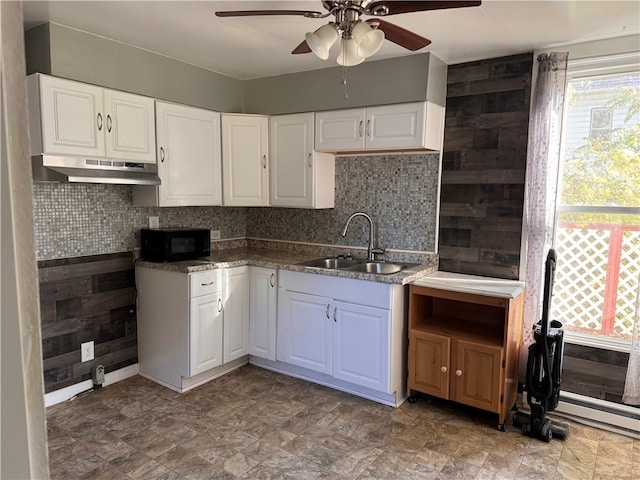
(204, 283)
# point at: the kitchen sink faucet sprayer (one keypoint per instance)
(371, 250)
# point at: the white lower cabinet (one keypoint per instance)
(345, 333)
(263, 296)
(192, 327)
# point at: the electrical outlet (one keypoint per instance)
(86, 351)
(154, 222)
(215, 234)
(98, 375)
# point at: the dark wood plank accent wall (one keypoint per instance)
(483, 171)
(84, 299)
(594, 372)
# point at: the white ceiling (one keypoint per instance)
(252, 47)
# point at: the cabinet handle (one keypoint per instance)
(369, 128)
(326, 312)
(99, 121)
(309, 164)
(360, 129)
(206, 284)
(458, 373)
(219, 305)
(335, 311)
(272, 280)
(443, 369)
(161, 155)
(109, 123)
(264, 161)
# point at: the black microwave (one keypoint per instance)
(174, 244)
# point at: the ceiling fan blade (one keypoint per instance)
(302, 48)
(395, 7)
(251, 13)
(400, 36)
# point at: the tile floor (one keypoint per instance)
(256, 424)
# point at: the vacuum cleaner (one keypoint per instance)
(544, 369)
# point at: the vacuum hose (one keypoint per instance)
(540, 376)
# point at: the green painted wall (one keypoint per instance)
(398, 80)
(65, 52)
(88, 58)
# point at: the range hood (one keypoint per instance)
(53, 168)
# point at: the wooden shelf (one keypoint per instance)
(462, 329)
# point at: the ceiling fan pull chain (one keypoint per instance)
(344, 71)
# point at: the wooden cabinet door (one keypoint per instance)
(476, 373)
(340, 130)
(73, 121)
(245, 163)
(361, 345)
(395, 126)
(236, 313)
(429, 363)
(262, 312)
(205, 333)
(188, 150)
(305, 331)
(130, 127)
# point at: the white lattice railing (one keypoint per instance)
(596, 279)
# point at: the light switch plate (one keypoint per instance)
(86, 351)
(154, 222)
(215, 234)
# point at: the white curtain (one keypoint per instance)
(632, 385)
(543, 156)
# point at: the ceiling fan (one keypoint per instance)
(360, 39)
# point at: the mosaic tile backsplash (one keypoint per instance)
(399, 192)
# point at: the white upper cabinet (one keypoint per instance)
(73, 118)
(245, 162)
(300, 177)
(405, 126)
(189, 164)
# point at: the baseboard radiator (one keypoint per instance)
(615, 417)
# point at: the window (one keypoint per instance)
(600, 122)
(598, 209)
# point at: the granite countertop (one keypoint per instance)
(288, 260)
(457, 282)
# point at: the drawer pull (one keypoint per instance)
(443, 369)
(207, 284)
(458, 373)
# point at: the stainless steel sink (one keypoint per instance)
(331, 262)
(381, 268)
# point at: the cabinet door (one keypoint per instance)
(476, 375)
(305, 331)
(188, 149)
(429, 356)
(262, 312)
(395, 126)
(245, 169)
(130, 127)
(236, 313)
(340, 130)
(73, 122)
(292, 160)
(205, 333)
(361, 345)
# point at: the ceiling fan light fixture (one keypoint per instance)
(369, 40)
(348, 56)
(321, 41)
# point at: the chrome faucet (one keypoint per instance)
(371, 250)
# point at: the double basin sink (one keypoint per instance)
(355, 265)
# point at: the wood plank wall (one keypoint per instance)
(594, 372)
(483, 172)
(84, 299)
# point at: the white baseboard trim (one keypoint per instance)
(601, 414)
(71, 391)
